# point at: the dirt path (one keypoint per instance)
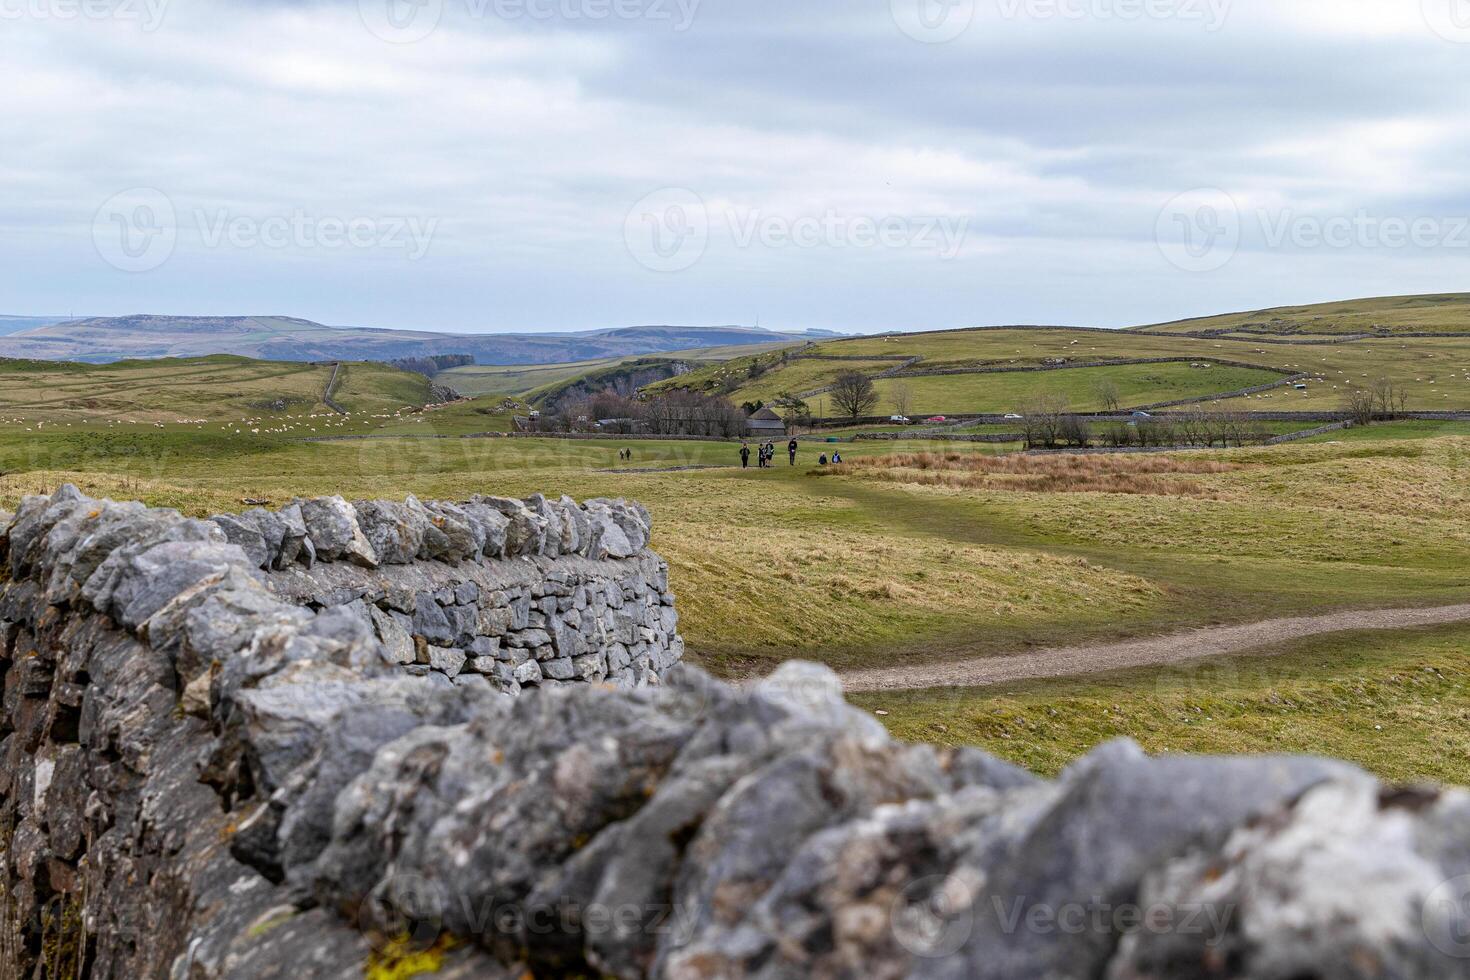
(1214, 641)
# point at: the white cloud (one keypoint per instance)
(1057, 141)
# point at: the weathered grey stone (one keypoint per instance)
(395, 531)
(446, 660)
(430, 622)
(295, 544)
(457, 540)
(396, 640)
(248, 537)
(331, 525)
(561, 670)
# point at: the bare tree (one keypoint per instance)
(1359, 404)
(1389, 399)
(853, 394)
(1042, 420)
(900, 394)
(1108, 398)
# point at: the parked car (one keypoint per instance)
(900, 419)
(1142, 415)
(1013, 417)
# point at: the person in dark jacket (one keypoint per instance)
(744, 456)
(791, 449)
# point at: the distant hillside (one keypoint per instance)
(278, 338)
(199, 389)
(15, 324)
(1435, 313)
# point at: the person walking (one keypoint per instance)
(744, 456)
(791, 449)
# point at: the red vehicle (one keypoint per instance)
(937, 418)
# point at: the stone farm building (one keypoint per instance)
(765, 424)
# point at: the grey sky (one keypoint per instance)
(866, 165)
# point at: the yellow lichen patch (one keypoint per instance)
(403, 960)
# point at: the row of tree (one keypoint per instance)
(678, 413)
(432, 364)
(1048, 423)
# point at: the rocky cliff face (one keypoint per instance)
(309, 809)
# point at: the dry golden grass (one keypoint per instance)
(1081, 473)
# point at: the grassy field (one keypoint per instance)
(526, 380)
(1436, 313)
(1136, 384)
(1435, 371)
(518, 380)
(193, 390)
(871, 566)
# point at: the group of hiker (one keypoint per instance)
(765, 454)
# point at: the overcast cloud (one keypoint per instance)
(860, 165)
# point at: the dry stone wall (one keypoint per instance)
(201, 780)
(507, 592)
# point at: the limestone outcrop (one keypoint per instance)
(201, 778)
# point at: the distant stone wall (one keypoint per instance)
(514, 593)
(201, 781)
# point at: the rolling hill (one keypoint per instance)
(1438, 313)
(279, 338)
(203, 389)
(988, 370)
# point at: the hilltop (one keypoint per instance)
(997, 370)
(1436, 313)
(281, 338)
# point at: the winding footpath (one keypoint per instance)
(1215, 641)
